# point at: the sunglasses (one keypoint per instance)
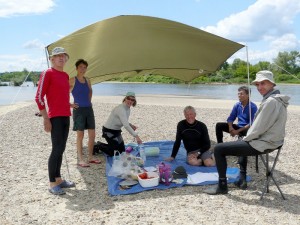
(131, 99)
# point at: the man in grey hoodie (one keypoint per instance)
(266, 132)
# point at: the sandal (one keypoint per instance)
(57, 190)
(66, 184)
(38, 114)
(95, 161)
(83, 165)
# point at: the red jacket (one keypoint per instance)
(55, 85)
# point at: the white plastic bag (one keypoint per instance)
(125, 166)
(116, 167)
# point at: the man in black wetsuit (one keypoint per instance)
(194, 135)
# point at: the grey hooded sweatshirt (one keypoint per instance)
(268, 128)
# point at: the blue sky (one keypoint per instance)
(265, 26)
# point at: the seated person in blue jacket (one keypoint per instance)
(194, 135)
(241, 112)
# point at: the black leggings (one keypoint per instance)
(223, 127)
(114, 141)
(59, 136)
(233, 148)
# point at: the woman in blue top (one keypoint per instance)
(83, 114)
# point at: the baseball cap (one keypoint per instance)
(130, 93)
(59, 50)
(179, 172)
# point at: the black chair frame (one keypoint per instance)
(269, 170)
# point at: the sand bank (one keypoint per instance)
(25, 148)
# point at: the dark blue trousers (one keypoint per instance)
(233, 148)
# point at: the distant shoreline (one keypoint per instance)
(215, 91)
(138, 82)
(151, 99)
(212, 83)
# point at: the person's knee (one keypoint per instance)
(194, 162)
(56, 153)
(91, 134)
(218, 126)
(209, 162)
(80, 135)
(217, 149)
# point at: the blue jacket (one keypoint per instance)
(242, 114)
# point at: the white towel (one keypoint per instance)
(200, 177)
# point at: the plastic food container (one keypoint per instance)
(152, 151)
(149, 182)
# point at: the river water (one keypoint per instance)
(11, 95)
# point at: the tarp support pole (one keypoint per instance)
(47, 58)
(249, 88)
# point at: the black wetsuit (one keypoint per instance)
(195, 137)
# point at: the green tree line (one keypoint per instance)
(17, 78)
(286, 68)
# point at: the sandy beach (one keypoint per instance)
(25, 149)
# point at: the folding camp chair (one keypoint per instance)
(269, 170)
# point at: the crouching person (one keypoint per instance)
(117, 119)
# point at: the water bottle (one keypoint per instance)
(142, 153)
(128, 149)
(165, 173)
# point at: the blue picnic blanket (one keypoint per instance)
(165, 151)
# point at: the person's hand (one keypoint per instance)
(133, 127)
(234, 132)
(47, 125)
(194, 161)
(192, 156)
(231, 130)
(74, 105)
(138, 140)
(169, 159)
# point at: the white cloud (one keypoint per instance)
(286, 42)
(267, 23)
(20, 62)
(60, 36)
(254, 56)
(35, 61)
(34, 44)
(262, 19)
(10, 8)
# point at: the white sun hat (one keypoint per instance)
(264, 75)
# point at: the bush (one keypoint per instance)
(282, 77)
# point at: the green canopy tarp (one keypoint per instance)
(132, 45)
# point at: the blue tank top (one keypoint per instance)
(81, 92)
